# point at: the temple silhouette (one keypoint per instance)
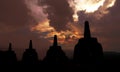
(8, 57)
(55, 54)
(30, 56)
(88, 52)
(88, 56)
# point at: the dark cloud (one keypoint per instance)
(59, 13)
(107, 29)
(85, 16)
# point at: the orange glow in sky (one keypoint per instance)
(98, 8)
(63, 36)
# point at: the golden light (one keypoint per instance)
(98, 8)
(75, 17)
(43, 27)
(111, 3)
(63, 36)
(90, 6)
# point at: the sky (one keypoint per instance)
(40, 20)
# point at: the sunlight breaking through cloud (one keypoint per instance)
(42, 13)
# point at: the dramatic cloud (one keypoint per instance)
(65, 18)
(35, 10)
(59, 13)
(109, 29)
(95, 8)
(53, 17)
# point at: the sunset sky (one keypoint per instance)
(40, 20)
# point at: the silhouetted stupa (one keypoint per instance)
(88, 51)
(30, 55)
(10, 56)
(87, 30)
(55, 54)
